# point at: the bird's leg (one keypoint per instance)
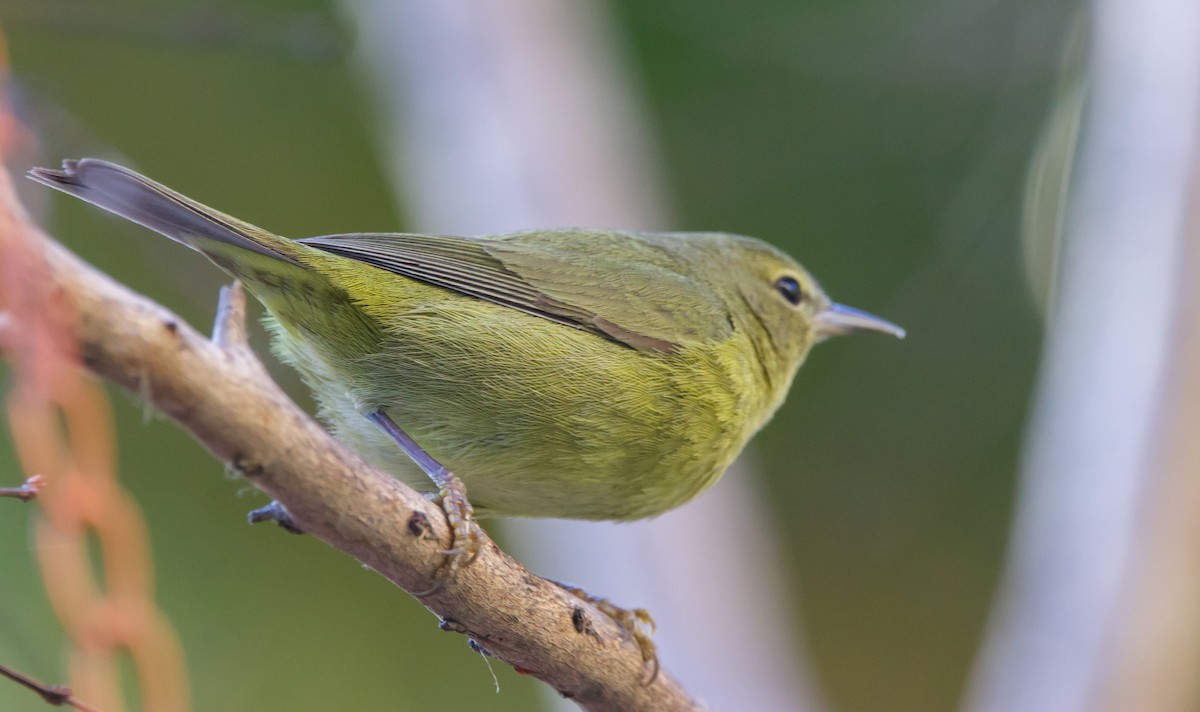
(633, 622)
(452, 495)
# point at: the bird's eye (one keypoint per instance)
(790, 289)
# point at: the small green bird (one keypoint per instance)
(589, 374)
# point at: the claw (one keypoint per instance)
(634, 623)
(464, 531)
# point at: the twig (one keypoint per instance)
(220, 393)
(57, 695)
(274, 512)
(27, 491)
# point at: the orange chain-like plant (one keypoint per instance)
(62, 426)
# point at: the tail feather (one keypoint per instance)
(137, 198)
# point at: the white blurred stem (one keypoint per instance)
(1097, 492)
(509, 114)
(1153, 663)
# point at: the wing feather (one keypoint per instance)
(583, 279)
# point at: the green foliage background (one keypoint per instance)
(883, 144)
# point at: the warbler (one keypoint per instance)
(575, 373)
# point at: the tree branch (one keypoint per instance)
(219, 392)
(54, 695)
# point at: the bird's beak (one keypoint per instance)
(837, 319)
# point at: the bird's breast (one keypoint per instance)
(537, 418)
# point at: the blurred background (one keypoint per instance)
(887, 146)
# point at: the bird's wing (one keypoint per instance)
(621, 286)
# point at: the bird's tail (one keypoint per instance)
(137, 198)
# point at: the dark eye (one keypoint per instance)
(790, 289)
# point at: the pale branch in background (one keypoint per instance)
(1094, 609)
(219, 392)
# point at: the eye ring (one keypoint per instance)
(789, 288)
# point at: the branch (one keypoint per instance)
(218, 391)
(54, 695)
(27, 491)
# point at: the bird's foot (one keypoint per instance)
(464, 531)
(452, 497)
(633, 622)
